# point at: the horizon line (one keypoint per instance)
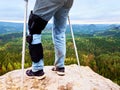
(72, 22)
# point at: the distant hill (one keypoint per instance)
(94, 28)
(8, 27)
(80, 29)
(90, 28)
(112, 32)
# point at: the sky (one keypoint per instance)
(83, 11)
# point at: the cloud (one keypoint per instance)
(90, 10)
(11, 10)
(82, 10)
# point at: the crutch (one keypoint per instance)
(24, 40)
(73, 38)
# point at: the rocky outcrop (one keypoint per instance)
(82, 78)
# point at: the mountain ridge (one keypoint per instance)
(90, 29)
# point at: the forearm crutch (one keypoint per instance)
(24, 42)
(73, 38)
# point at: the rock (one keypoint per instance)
(76, 78)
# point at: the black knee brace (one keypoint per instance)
(36, 52)
(29, 38)
(36, 24)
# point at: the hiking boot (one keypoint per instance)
(38, 75)
(59, 71)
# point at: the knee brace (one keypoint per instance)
(29, 38)
(36, 52)
(36, 24)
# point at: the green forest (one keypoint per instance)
(99, 51)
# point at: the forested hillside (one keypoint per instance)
(100, 51)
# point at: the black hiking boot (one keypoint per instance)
(38, 75)
(59, 71)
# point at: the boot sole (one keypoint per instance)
(60, 73)
(37, 77)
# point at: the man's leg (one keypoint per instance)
(36, 24)
(43, 11)
(59, 38)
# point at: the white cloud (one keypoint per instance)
(82, 10)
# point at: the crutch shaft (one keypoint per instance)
(71, 29)
(24, 41)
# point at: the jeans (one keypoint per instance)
(47, 9)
